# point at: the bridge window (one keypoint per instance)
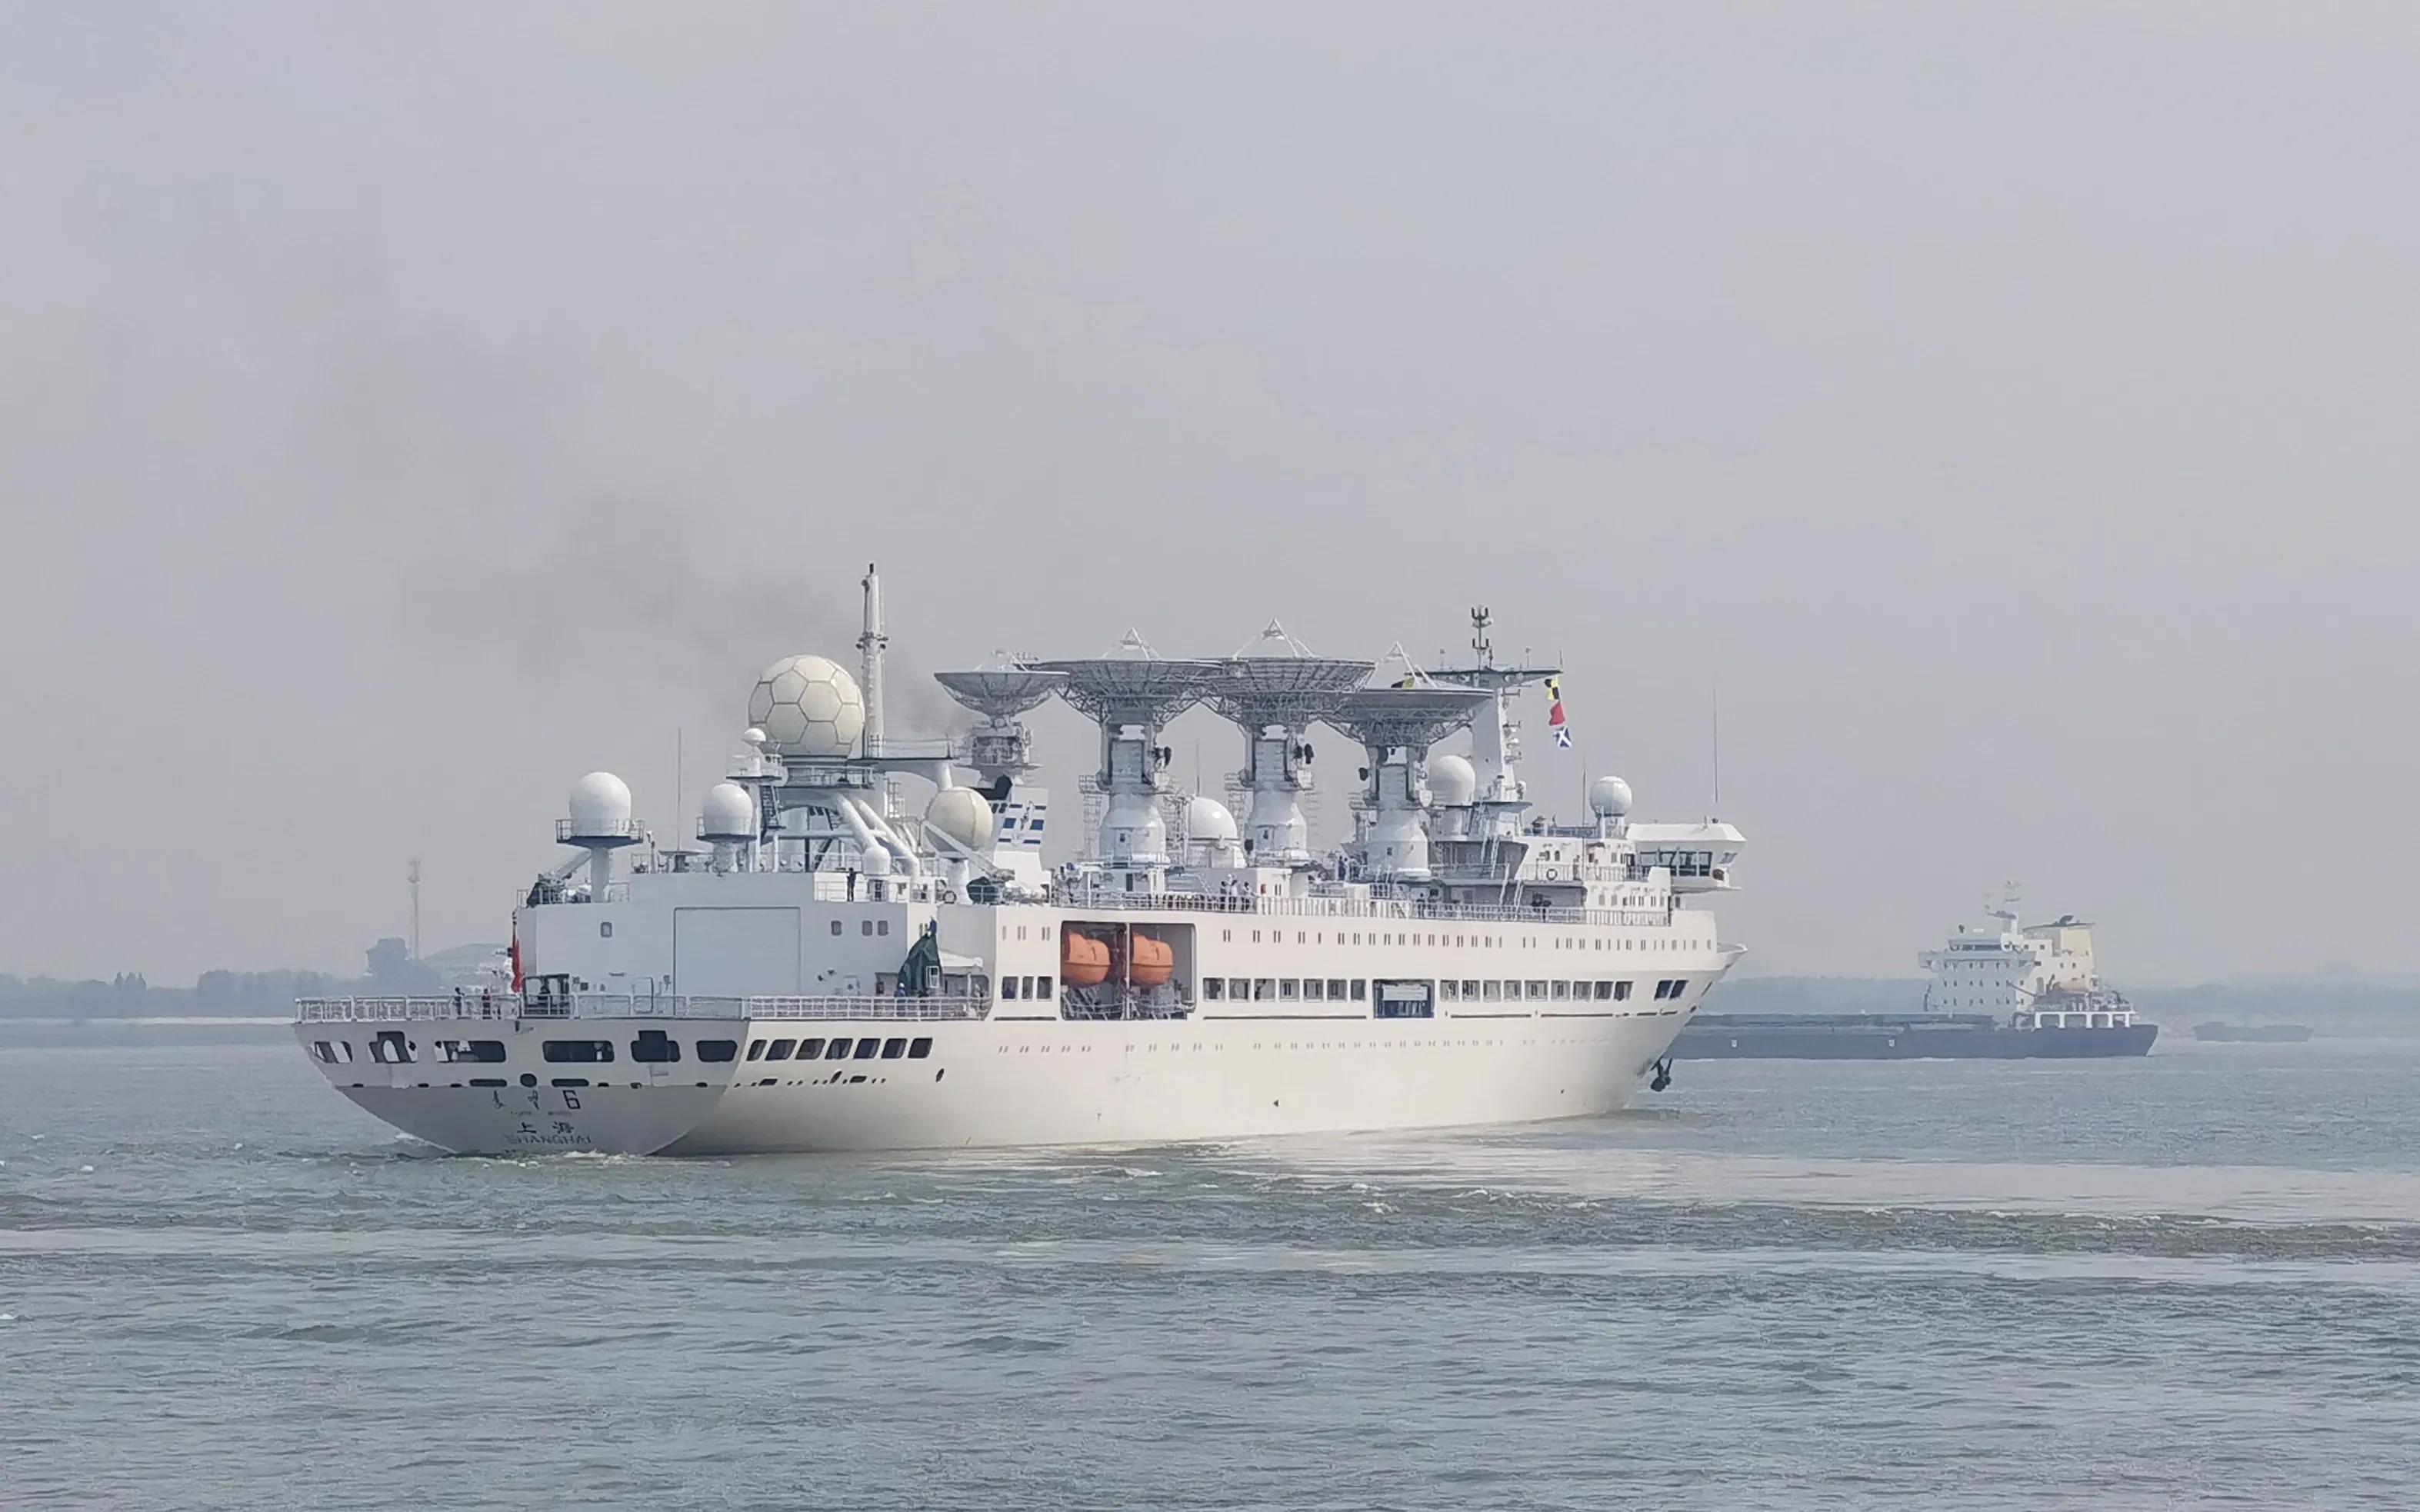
(340, 1052)
(717, 1050)
(392, 1049)
(868, 1049)
(1621, 992)
(654, 1047)
(780, 1049)
(756, 1049)
(578, 1052)
(893, 1049)
(489, 1051)
(837, 1050)
(810, 1049)
(919, 1048)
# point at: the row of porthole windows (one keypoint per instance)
(1340, 989)
(842, 1048)
(390, 1048)
(1489, 941)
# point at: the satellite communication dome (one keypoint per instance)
(962, 816)
(727, 814)
(1609, 796)
(600, 808)
(808, 706)
(1452, 780)
(1207, 820)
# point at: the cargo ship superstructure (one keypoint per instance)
(836, 965)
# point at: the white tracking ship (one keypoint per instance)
(839, 968)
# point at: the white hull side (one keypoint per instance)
(1009, 1083)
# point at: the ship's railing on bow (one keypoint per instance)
(634, 1006)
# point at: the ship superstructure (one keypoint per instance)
(841, 968)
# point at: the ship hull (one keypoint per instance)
(1709, 1038)
(991, 1084)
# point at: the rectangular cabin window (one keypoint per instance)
(1288, 990)
(489, 1051)
(1601, 990)
(1028, 987)
(919, 1047)
(1214, 989)
(1313, 989)
(868, 1049)
(1360, 989)
(1453, 990)
(835, 926)
(893, 1049)
(1537, 990)
(1562, 992)
(654, 1047)
(837, 1050)
(1680, 986)
(1621, 992)
(392, 1049)
(810, 1049)
(882, 926)
(1008, 989)
(756, 1049)
(1265, 989)
(1469, 991)
(1492, 991)
(1041, 987)
(325, 1051)
(866, 926)
(716, 1051)
(780, 1049)
(1239, 988)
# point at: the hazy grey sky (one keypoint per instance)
(406, 409)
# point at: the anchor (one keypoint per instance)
(1663, 1075)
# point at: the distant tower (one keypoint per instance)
(411, 875)
(870, 644)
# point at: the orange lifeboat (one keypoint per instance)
(1083, 962)
(1154, 962)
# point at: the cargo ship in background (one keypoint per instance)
(2000, 991)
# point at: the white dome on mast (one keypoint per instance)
(809, 707)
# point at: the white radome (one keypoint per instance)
(599, 807)
(1207, 820)
(808, 706)
(962, 816)
(728, 814)
(1609, 796)
(1452, 780)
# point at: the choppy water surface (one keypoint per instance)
(2192, 1279)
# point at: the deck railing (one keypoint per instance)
(1409, 910)
(633, 1005)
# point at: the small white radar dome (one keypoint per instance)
(1452, 780)
(808, 706)
(1609, 796)
(600, 808)
(1207, 821)
(728, 814)
(963, 816)
(753, 736)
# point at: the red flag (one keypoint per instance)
(1555, 715)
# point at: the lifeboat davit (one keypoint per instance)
(1083, 962)
(1154, 962)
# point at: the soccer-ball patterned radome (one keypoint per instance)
(808, 706)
